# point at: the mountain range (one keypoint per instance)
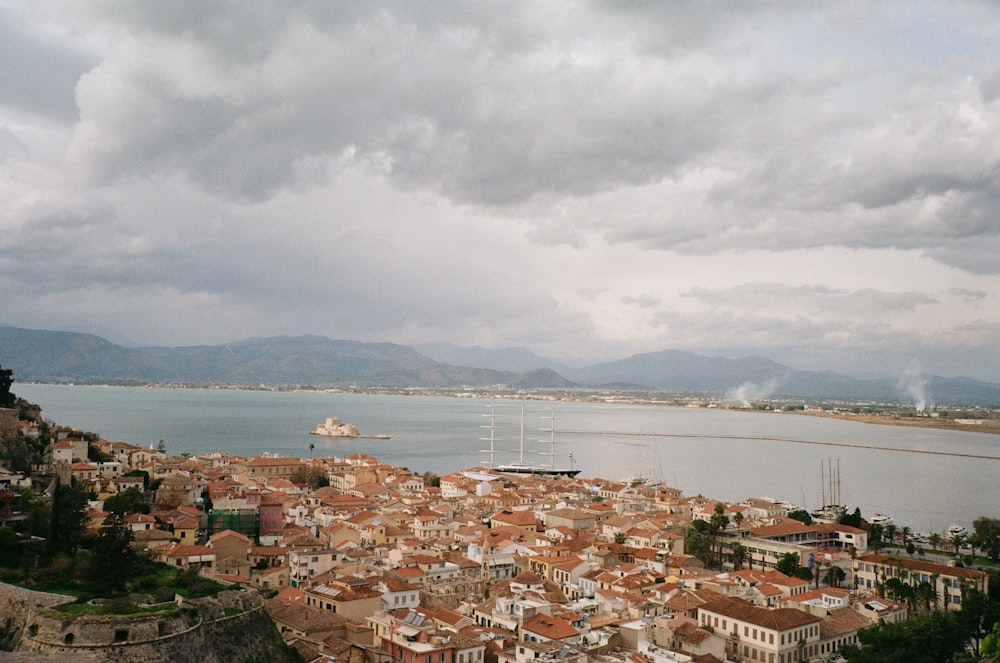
(40, 355)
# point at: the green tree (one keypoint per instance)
(875, 537)
(111, 553)
(699, 544)
(313, 476)
(925, 594)
(991, 644)
(788, 564)
(926, 637)
(801, 515)
(740, 555)
(851, 519)
(803, 573)
(128, 501)
(975, 618)
(716, 525)
(10, 548)
(7, 398)
(834, 576)
(956, 541)
(67, 521)
(986, 536)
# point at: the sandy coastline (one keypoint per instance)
(980, 426)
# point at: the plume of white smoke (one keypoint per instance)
(913, 383)
(748, 392)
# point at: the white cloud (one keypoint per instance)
(806, 182)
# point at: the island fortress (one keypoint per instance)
(333, 427)
(361, 561)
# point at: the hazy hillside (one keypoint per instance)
(320, 361)
(518, 360)
(316, 360)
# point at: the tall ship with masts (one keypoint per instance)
(523, 467)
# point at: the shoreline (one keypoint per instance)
(989, 426)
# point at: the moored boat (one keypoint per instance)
(522, 467)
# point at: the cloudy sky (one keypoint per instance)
(818, 183)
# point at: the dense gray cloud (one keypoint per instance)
(589, 179)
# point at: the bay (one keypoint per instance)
(927, 479)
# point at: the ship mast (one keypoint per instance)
(552, 441)
(522, 433)
(492, 438)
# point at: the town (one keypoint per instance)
(356, 560)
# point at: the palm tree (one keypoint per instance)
(716, 524)
(311, 447)
(956, 540)
(875, 537)
(834, 576)
(739, 556)
(926, 594)
(890, 533)
(905, 532)
(935, 540)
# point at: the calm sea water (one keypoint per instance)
(718, 453)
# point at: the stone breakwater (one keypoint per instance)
(230, 627)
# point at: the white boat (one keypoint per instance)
(956, 530)
(881, 519)
(521, 467)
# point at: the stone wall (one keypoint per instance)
(196, 631)
(18, 604)
(8, 423)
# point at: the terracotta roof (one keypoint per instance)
(261, 461)
(780, 620)
(188, 551)
(926, 567)
(550, 627)
(226, 533)
(786, 528)
(842, 621)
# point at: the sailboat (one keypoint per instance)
(522, 467)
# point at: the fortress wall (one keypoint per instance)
(200, 633)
